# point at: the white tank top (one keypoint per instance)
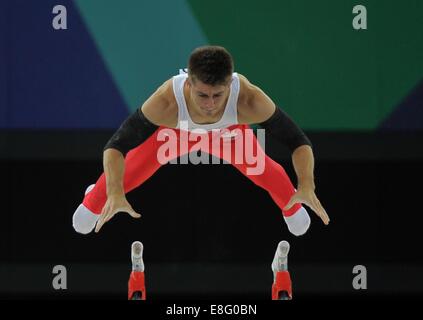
(230, 114)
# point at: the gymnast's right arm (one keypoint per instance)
(133, 131)
(137, 128)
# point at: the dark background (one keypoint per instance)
(208, 231)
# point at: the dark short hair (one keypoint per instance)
(211, 65)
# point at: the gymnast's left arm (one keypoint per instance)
(260, 109)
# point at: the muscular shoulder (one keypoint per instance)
(246, 89)
(254, 106)
(161, 107)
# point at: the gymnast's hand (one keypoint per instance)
(115, 204)
(307, 196)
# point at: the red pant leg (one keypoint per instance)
(273, 178)
(140, 164)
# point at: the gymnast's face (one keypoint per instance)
(207, 99)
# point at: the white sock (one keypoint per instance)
(83, 219)
(299, 222)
